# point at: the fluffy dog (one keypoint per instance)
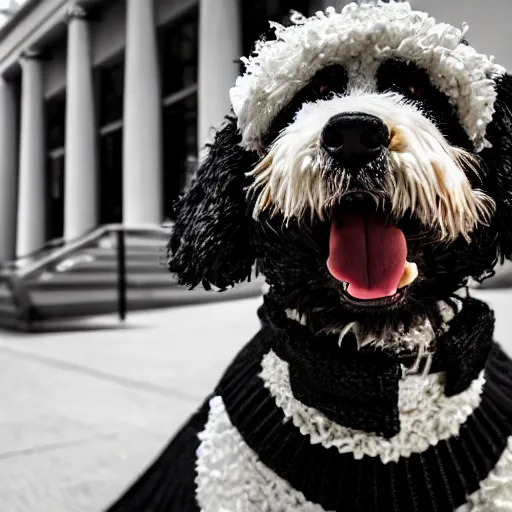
(367, 170)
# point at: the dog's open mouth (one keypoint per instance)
(368, 254)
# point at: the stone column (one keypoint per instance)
(81, 172)
(8, 170)
(142, 144)
(220, 46)
(31, 222)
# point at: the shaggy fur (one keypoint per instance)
(400, 403)
(216, 241)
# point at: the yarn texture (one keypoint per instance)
(360, 37)
(426, 414)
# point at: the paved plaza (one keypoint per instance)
(83, 411)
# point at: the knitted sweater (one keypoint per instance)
(298, 423)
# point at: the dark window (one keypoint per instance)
(111, 88)
(56, 122)
(111, 177)
(55, 110)
(55, 195)
(256, 15)
(180, 149)
(178, 45)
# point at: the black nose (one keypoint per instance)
(354, 138)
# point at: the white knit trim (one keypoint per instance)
(495, 494)
(231, 478)
(360, 37)
(427, 415)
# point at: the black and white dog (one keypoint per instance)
(367, 170)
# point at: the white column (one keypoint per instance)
(142, 144)
(31, 225)
(80, 178)
(8, 170)
(220, 46)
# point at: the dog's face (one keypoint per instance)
(368, 171)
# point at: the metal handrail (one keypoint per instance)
(82, 242)
(13, 265)
(17, 279)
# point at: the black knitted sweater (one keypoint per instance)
(357, 389)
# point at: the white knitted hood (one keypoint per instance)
(360, 37)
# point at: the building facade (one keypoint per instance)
(106, 104)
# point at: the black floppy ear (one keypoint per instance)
(210, 243)
(498, 160)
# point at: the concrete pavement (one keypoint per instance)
(82, 412)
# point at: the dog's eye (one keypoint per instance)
(404, 77)
(329, 80)
(417, 91)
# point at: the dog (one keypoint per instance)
(366, 170)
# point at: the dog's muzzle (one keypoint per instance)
(377, 143)
(354, 139)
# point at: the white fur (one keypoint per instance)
(425, 173)
(360, 37)
(495, 493)
(427, 415)
(417, 339)
(231, 478)
(293, 314)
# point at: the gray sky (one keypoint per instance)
(9, 5)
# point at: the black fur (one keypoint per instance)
(216, 241)
(498, 163)
(398, 75)
(211, 241)
(333, 77)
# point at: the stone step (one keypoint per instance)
(98, 280)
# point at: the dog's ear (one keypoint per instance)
(498, 160)
(210, 243)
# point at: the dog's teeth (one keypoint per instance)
(345, 331)
(293, 314)
(410, 274)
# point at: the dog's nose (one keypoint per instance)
(354, 137)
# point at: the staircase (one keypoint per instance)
(85, 278)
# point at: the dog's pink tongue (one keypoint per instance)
(368, 255)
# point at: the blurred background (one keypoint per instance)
(105, 108)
